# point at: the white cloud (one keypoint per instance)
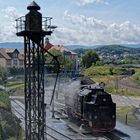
(10, 13)
(80, 29)
(90, 31)
(84, 2)
(7, 24)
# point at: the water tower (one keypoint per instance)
(33, 27)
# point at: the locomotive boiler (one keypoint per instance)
(92, 106)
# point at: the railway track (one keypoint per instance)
(52, 133)
(55, 134)
(113, 135)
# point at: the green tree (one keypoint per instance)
(3, 75)
(16, 71)
(91, 57)
(50, 62)
(52, 65)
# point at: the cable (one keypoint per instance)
(55, 58)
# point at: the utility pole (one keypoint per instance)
(117, 84)
(33, 27)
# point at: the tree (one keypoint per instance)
(90, 58)
(52, 65)
(16, 71)
(3, 75)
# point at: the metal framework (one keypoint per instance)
(33, 28)
(34, 90)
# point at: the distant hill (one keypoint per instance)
(17, 45)
(118, 52)
(109, 54)
(21, 45)
(117, 49)
(132, 45)
(111, 50)
(73, 47)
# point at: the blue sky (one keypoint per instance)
(85, 22)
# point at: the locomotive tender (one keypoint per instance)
(93, 107)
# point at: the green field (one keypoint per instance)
(125, 115)
(16, 88)
(116, 79)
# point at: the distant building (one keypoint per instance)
(65, 51)
(10, 58)
(48, 46)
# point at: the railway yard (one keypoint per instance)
(58, 126)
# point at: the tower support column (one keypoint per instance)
(34, 90)
(33, 27)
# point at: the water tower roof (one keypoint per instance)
(33, 6)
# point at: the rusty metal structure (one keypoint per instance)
(33, 27)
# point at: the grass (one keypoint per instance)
(18, 91)
(98, 70)
(112, 88)
(103, 70)
(136, 77)
(111, 75)
(17, 87)
(103, 78)
(9, 127)
(14, 83)
(5, 101)
(121, 115)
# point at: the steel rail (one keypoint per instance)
(18, 104)
(22, 117)
(60, 133)
(53, 130)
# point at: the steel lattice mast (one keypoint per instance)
(33, 28)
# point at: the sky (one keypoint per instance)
(79, 22)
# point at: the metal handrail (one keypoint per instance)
(46, 24)
(20, 23)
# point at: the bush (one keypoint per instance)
(136, 76)
(90, 58)
(5, 101)
(111, 71)
(100, 70)
(16, 71)
(10, 127)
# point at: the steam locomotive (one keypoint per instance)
(92, 106)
